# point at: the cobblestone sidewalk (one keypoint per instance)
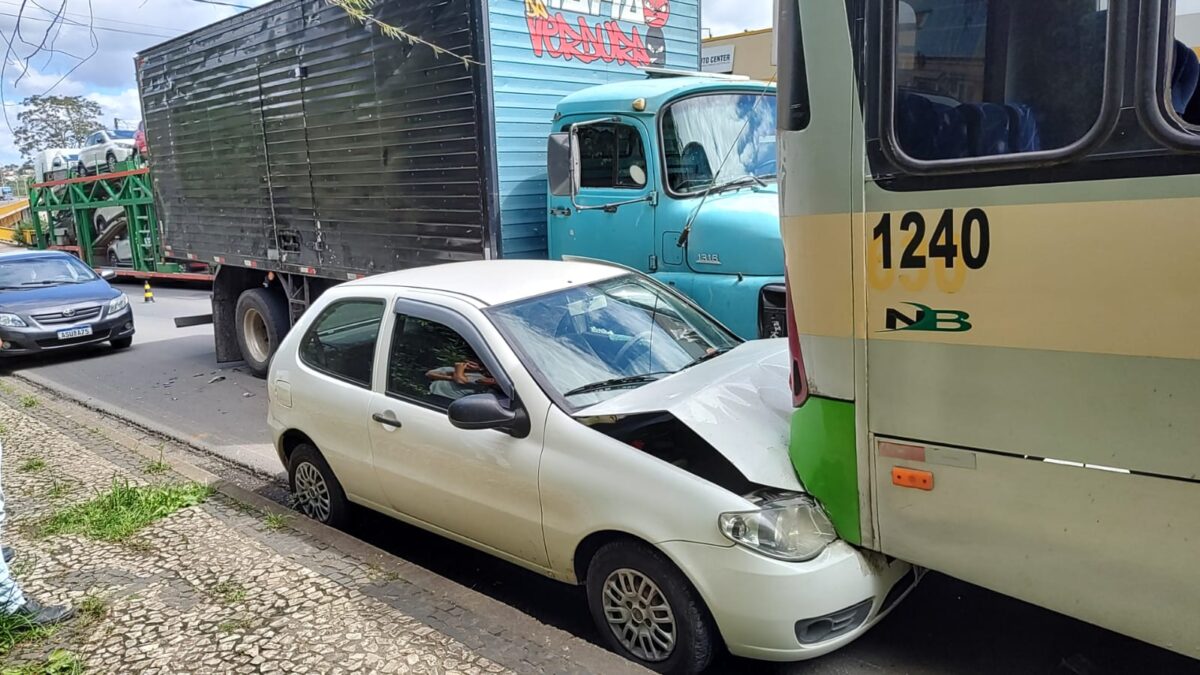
(222, 588)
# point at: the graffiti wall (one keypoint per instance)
(543, 50)
(621, 31)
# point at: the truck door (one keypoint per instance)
(614, 167)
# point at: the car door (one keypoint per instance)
(87, 153)
(331, 387)
(614, 168)
(480, 485)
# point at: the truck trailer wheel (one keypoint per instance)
(262, 321)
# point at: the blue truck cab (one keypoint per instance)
(675, 176)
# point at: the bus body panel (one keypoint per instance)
(1072, 339)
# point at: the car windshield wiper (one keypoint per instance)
(710, 355)
(741, 182)
(617, 383)
(47, 282)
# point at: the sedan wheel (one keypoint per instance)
(316, 492)
(312, 493)
(646, 609)
(638, 615)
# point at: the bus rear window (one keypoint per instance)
(978, 78)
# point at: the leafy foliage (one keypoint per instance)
(360, 11)
(55, 122)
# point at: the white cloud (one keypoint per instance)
(101, 70)
(723, 17)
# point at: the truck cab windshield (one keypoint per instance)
(700, 131)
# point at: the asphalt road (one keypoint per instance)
(170, 381)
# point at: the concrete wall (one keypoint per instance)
(752, 52)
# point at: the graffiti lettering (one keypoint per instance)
(607, 41)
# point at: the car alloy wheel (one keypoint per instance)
(639, 615)
(312, 493)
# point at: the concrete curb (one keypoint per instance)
(579, 651)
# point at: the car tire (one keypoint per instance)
(122, 343)
(626, 567)
(261, 321)
(110, 163)
(113, 260)
(81, 170)
(316, 492)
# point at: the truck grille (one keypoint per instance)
(772, 312)
(72, 315)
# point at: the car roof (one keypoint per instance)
(23, 254)
(495, 282)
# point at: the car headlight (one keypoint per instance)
(118, 304)
(790, 527)
(12, 321)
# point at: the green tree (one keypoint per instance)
(55, 122)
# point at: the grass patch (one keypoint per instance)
(234, 625)
(59, 489)
(228, 592)
(123, 509)
(91, 609)
(29, 401)
(3, 429)
(276, 521)
(16, 629)
(156, 467)
(32, 465)
(60, 662)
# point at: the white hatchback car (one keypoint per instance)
(103, 149)
(590, 424)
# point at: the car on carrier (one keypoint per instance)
(588, 423)
(104, 149)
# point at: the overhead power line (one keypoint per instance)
(72, 22)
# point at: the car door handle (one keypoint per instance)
(386, 421)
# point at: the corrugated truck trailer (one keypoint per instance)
(295, 148)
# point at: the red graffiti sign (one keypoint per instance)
(605, 41)
(591, 37)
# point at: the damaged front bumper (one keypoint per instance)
(788, 611)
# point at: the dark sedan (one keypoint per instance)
(50, 300)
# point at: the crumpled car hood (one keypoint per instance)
(738, 402)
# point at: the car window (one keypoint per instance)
(92, 140)
(432, 364)
(593, 341)
(611, 156)
(56, 270)
(341, 342)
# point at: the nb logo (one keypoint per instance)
(927, 319)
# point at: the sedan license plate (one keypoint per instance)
(74, 333)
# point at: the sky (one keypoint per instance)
(101, 69)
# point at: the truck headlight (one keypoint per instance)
(118, 304)
(792, 528)
(12, 321)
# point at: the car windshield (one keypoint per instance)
(699, 132)
(121, 134)
(43, 271)
(594, 341)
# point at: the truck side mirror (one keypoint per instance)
(562, 164)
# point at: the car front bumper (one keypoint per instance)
(36, 339)
(788, 611)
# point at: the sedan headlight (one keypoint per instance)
(792, 527)
(118, 304)
(12, 321)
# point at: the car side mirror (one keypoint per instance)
(562, 164)
(108, 275)
(486, 411)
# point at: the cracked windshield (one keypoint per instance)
(592, 342)
(699, 132)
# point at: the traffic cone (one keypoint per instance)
(148, 294)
